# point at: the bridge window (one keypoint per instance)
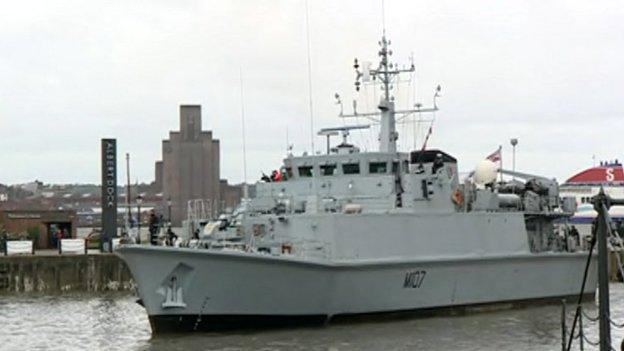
(377, 167)
(328, 170)
(351, 168)
(305, 171)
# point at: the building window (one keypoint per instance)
(305, 171)
(351, 168)
(328, 170)
(377, 167)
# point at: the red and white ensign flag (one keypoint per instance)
(496, 155)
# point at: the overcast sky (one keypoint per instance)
(71, 72)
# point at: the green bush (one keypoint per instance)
(33, 234)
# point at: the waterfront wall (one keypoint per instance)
(56, 274)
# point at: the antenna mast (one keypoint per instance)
(385, 72)
(307, 17)
(242, 100)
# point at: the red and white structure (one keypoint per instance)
(584, 185)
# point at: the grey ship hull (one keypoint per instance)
(233, 290)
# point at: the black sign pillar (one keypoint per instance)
(109, 194)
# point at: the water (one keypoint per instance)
(116, 322)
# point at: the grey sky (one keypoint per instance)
(71, 72)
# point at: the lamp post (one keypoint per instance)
(514, 142)
(139, 201)
(169, 210)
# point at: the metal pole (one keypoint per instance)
(581, 333)
(328, 147)
(129, 210)
(563, 326)
(513, 160)
(603, 272)
(139, 224)
(169, 213)
(500, 147)
(514, 142)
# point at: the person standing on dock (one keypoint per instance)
(574, 233)
(153, 228)
(58, 235)
(171, 237)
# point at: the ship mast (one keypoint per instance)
(386, 72)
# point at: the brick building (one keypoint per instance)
(189, 168)
(41, 224)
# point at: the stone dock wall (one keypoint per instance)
(64, 273)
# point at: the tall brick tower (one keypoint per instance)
(190, 164)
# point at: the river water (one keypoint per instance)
(116, 322)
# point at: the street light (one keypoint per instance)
(169, 210)
(514, 142)
(139, 201)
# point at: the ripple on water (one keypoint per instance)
(116, 322)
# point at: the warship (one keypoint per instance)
(356, 233)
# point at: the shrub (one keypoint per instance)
(33, 233)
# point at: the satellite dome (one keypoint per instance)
(485, 172)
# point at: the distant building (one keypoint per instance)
(189, 168)
(39, 225)
(230, 194)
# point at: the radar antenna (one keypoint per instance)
(329, 132)
(386, 72)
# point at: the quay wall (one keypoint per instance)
(64, 273)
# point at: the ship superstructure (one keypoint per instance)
(351, 232)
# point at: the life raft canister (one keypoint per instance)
(457, 197)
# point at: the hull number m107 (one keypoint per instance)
(414, 279)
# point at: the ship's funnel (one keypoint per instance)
(485, 173)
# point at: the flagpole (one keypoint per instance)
(500, 150)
